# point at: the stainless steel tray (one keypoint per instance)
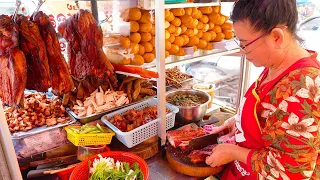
(93, 117)
(21, 134)
(181, 82)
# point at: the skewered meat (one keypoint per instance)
(33, 46)
(85, 54)
(13, 74)
(174, 77)
(60, 75)
(198, 156)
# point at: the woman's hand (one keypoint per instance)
(221, 154)
(228, 125)
(226, 153)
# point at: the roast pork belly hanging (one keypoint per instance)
(13, 73)
(85, 54)
(34, 48)
(59, 73)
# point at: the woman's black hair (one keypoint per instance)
(264, 15)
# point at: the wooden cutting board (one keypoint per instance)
(145, 150)
(181, 164)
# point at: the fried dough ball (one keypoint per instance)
(202, 44)
(179, 41)
(135, 37)
(141, 50)
(145, 27)
(220, 37)
(134, 26)
(206, 36)
(178, 11)
(146, 17)
(148, 57)
(134, 14)
(125, 42)
(137, 60)
(217, 29)
(134, 48)
(147, 46)
(168, 44)
(145, 37)
(174, 49)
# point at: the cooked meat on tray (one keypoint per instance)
(100, 101)
(174, 77)
(135, 118)
(38, 111)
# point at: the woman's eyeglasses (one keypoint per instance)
(243, 47)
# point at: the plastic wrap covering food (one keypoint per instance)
(190, 29)
(131, 40)
(41, 142)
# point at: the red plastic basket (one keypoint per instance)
(81, 172)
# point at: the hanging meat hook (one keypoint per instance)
(39, 5)
(18, 4)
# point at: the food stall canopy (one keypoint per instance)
(303, 1)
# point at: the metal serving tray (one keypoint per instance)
(93, 117)
(21, 134)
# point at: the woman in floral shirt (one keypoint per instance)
(277, 124)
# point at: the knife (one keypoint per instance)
(68, 161)
(51, 160)
(40, 172)
(203, 141)
(60, 170)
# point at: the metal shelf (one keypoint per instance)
(170, 62)
(186, 5)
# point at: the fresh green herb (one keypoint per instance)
(107, 169)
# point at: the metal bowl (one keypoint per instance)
(189, 114)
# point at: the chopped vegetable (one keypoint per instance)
(89, 129)
(186, 100)
(107, 169)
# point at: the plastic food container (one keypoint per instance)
(208, 88)
(89, 139)
(81, 172)
(85, 152)
(144, 132)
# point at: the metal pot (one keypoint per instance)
(189, 114)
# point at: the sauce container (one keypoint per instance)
(208, 88)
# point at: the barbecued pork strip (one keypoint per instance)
(13, 77)
(198, 156)
(181, 137)
(85, 54)
(34, 48)
(13, 73)
(60, 76)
